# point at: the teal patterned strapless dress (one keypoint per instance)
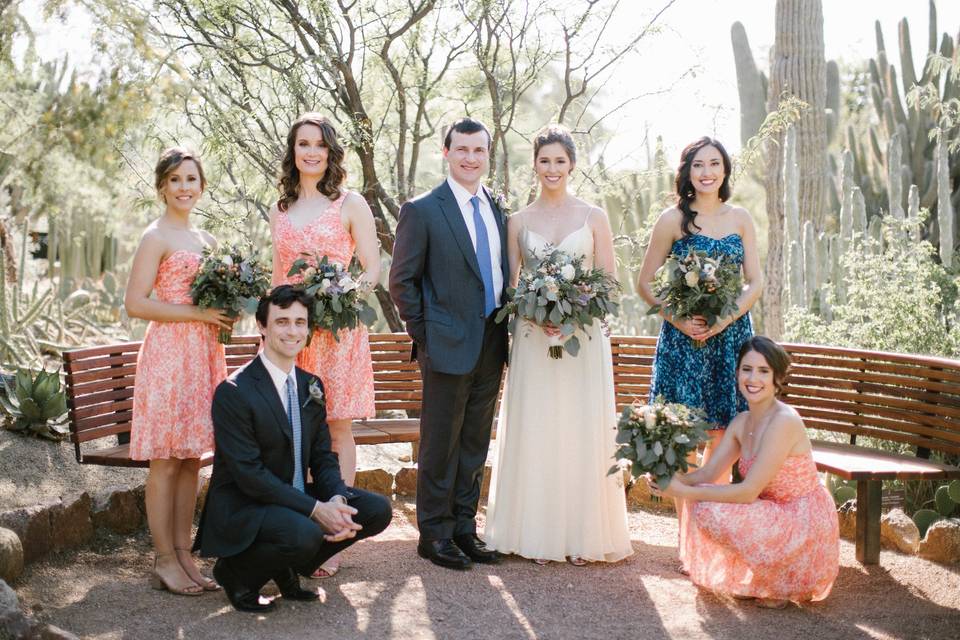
(704, 377)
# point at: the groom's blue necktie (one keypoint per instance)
(293, 415)
(483, 259)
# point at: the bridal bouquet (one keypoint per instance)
(229, 281)
(561, 292)
(656, 438)
(697, 284)
(337, 291)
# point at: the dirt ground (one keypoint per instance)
(386, 591)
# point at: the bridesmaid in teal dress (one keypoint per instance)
(703, 377)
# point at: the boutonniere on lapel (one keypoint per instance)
(501, 200)
(315, 393)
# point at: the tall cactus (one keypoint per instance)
(944, 206)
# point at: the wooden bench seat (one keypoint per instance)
(913, 401)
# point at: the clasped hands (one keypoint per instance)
(336, 520)
(696, 327)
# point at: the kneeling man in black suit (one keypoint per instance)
(260, 518)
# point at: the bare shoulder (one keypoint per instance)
(787, 421)
(355, 204)
(154, 236)
(741, 215)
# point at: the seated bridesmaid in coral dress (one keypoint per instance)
(774, 536)
(316, 216)
(179, 365)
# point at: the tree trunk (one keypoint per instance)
(798, 68)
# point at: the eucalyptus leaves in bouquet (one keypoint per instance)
(561, 292)
(337, 292)
(230, 281)
(656, 439)
(697, 284)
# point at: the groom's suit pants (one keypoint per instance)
(455, 421)
(290, 540)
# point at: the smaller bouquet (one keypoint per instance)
(337, 291)
(697, 284)
(561, 292)
(228, 281)
(656, 438)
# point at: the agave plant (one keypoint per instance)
(36, 405)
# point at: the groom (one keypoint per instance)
(260, 518)
(447, 280)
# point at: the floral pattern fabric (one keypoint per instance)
(343, 365)
(703, 377)
(178, 367)
(783, 546)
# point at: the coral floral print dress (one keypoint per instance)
(343, 366)
(178, 367)
(784, 545)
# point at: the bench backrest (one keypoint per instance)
(904, 398)
(99, 381)
(900, 397)
(99, 385)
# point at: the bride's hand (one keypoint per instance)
(551, 330)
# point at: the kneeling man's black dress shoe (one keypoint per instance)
(443, 553)
(476, 549)
(241, 597)
(289, 584)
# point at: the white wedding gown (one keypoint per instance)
(550, 494)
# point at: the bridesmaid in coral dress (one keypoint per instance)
(178, 367)
(316, 216)
(774, 536)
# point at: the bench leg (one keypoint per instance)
(868, 521)
(415, 451)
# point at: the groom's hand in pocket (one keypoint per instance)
(336, 520)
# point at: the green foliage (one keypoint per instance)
(924, 518)
(945, 504)
(891, 288)
(36, 405)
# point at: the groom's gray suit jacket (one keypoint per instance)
(435, 279)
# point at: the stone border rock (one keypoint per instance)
(898, 531)
(14, 623)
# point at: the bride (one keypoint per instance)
(551, 497)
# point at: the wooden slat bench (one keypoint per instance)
(99, 386)
(911, 400)
(905, 399)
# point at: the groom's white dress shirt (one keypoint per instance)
(279, 379)
(493, 231)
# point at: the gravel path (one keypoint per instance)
(386, 591)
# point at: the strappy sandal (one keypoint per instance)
(160, 583)
(326, 572)
(541, 561)
(205, 583)
(577, 561)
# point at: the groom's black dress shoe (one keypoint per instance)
(476, 549)
(443, 553)
(289, 585)
(242, 598)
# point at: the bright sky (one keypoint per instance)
(695, 33)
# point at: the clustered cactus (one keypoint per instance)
(37, 405)
(884, 161)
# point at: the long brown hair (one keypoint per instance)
(684, 186)
(333, 178)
